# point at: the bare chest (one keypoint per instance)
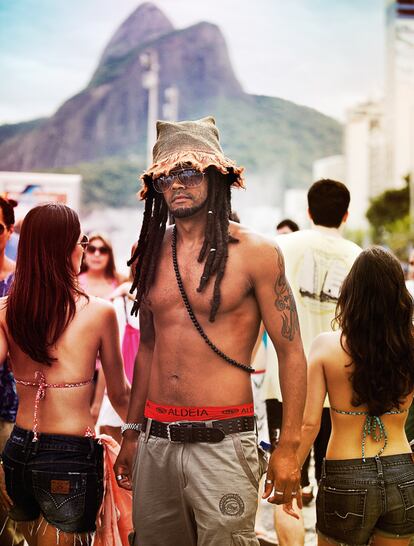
(165, 296)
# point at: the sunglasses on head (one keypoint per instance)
(92, 249)
(84, 242)
(190, 178)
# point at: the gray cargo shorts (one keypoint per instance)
(196, 494)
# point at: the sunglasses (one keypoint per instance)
(84, 242)
(190, 178)
(92, 249)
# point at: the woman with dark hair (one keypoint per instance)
(53, 331)
(366, 493)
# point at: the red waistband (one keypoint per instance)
(169, 414)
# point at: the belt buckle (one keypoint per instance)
(179, 424)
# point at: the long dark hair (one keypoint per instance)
(216, 237)
(375, 313)
(41, 302)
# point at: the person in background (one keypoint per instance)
(8, 393)
(286, 226)
(99, 278)
(317, 261)
(51, 480)
(123, 301)
(366, 492)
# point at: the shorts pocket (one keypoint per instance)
(407, 495)
(344, 509)
(263, 461)
(248, 456)
(61, 495)
(244, 538)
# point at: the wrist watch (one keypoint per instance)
(131, 426)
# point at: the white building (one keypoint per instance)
(332, 167)
(399, 91)
(296, 207)
(365, 159)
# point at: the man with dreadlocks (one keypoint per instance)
(203, 287)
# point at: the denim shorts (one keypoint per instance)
(357, 499)
(59, 477)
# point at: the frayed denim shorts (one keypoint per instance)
(357, 499)
(59, 477)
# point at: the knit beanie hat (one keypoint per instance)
(194, 143)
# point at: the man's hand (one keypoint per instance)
(124, 461)
(5, 501)
(283, 475)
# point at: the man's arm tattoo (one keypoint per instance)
(285, 302)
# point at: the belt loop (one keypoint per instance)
(92, 448)
(147, 429)
(27, 446)
(323, 471)
(379, 466)
(26, 441)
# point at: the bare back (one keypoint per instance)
(185, 370)
(346, 437)
(66, 410)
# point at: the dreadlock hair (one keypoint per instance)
(214, 250)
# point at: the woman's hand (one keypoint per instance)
(288, 508)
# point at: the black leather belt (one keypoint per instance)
(211, 432)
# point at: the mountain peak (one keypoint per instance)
(144, 24)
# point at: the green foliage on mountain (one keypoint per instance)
(261, 133)
(10, 130)
(266, 133)
(113, 182)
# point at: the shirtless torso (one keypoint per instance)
(185, 371)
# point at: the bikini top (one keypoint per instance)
(42, 386)
(373, 426)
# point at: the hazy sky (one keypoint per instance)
(326, 54)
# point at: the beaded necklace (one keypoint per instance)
(191, 314)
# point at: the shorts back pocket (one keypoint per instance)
(61, 495)
(344, 509)
(407, 495)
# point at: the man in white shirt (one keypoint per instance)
(317, 260)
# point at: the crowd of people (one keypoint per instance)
(152, 374)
